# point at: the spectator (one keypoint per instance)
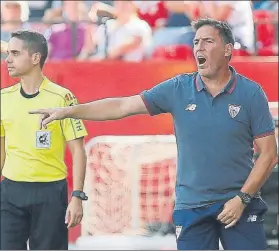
(14, 16)
(127, 36)
(271, 6)
(66, 39)
(257, 4)
(265, 5)
(180, 13)
(37, 9)
(239, 16)
(177, 29)
(153, 12)
(4, 46)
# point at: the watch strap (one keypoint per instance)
(245, 197)
(79, 194)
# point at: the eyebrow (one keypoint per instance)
(205, 38)
(13, 51)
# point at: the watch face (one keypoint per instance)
(80, 195)
(246, 198)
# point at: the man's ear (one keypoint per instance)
(228, 50)
(36, 57)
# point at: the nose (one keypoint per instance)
(8, 59)
(200, 46)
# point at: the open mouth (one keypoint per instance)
(201, 60)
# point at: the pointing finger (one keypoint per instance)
(42, 117)
(47, 120)
(39, 111)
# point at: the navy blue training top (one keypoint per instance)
(214, 135)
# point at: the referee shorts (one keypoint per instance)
(199, 229)
(34, 212)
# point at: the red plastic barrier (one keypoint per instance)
(91, 81)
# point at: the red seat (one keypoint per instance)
(268, 51)
(173, 52)
(265, 29)
(240, 52)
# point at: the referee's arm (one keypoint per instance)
(74, 133)
(74, 211)
(77, 150)
(3, 152)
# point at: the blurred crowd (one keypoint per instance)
(137, 30)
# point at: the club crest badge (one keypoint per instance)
(234, 110)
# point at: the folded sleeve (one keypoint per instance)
(72, 128)
(262, 122)
(160, 98)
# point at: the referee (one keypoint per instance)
(217, 115)
(34, 197)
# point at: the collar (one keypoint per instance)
(228, 88)
(43, 84)
(25, 95)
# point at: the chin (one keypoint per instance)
(204, 72)
(14, 74)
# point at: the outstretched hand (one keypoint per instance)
(49, 115)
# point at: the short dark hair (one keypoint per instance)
(224, 29)
(34, 42)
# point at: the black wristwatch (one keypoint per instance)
(79, 194)
(245, 197)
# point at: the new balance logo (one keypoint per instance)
(191, 107)
(252, 218)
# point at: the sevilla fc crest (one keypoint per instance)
(234, 110)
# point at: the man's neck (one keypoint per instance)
(32, 82)
(219, 81)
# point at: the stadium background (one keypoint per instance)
(131, 171)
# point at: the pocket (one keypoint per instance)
(57, 192)
(257, 205)
(255, 211)
(63, 192)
